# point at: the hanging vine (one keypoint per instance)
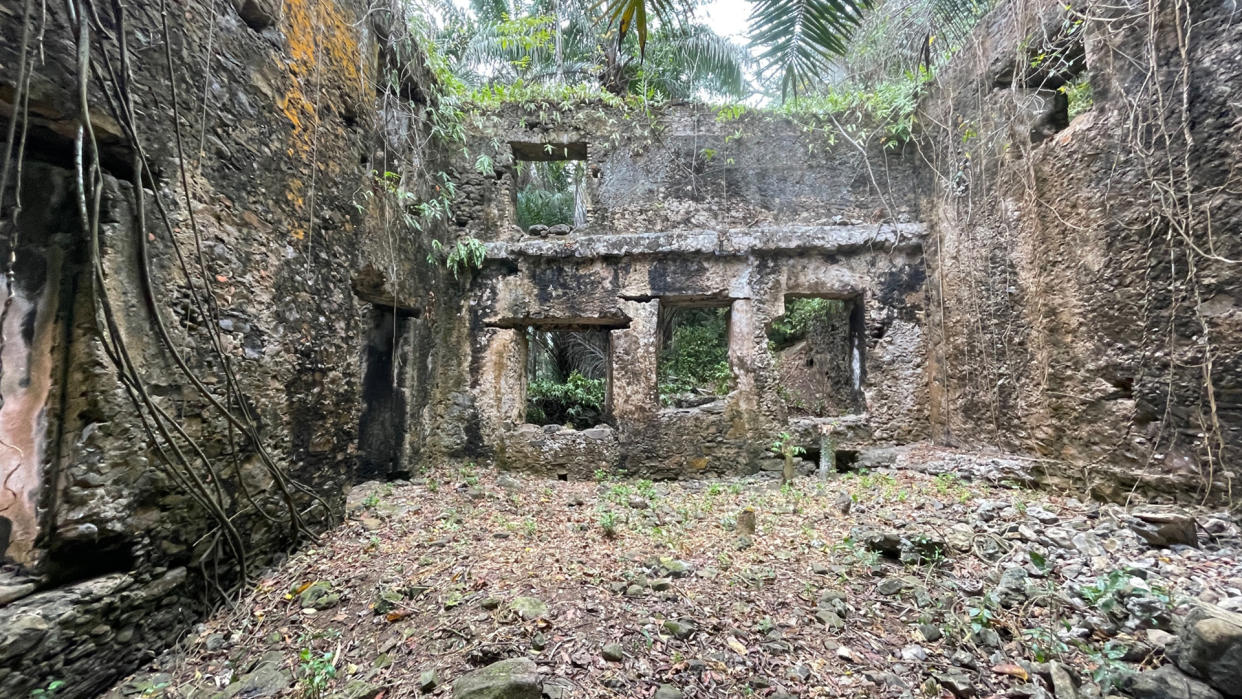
(993, 186)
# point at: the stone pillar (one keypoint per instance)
(500, 390)
(632, 365)
(745, 344)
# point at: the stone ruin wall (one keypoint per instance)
(1073, 307)
(350, 347)
(743, 226)
(103, 554)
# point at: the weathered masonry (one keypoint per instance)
(1009, 278)
(711, 217)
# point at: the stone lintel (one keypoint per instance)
(734, 242)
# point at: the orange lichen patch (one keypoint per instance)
(324, 55)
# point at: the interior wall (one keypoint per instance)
(1084, 295)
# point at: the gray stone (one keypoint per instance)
(909, 548)
(1165, 527)
(667, 691)
(830, 619)
(22, 634)
(560, 229)
(680, 629)
(1013, 588)
(889, 586)
(515, 678)
(386, 600)
(913, 653)
(958, 683)
(675, 568)
(613, 652)
(257, 14)
(834, 601)
(427, 681)
(266, 680)
(1063, 684)
(1165, 682)
(1088, 544)
(319, 596)
(12, 593)
(357, 689)
(1209, 646)
(529, 608)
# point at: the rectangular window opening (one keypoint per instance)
(551, 193)
(819, 351)
(567, 377)
(693, 363)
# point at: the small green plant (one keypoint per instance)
(50, 690)
(645, 488)
(619, 493)
(1078, 94)
(1109, 668)
(467, 254)
(981, 617)
(433, 485)
(608, 523)
(1044, 644)
(601, 475)
(578, 401)
(945, 482)
(371, 501)
(468, 476)
(317, 671)
(1109, 595)
(530, 527)
(786, 448)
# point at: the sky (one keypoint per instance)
(727, 17)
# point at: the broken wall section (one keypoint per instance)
(679, 167)
(1084, 288)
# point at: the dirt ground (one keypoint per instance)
(881, 583)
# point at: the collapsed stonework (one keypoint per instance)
(1031, 324)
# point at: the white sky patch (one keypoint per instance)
(727, 18)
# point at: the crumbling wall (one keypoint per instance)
(273, 114)
(686, 206)
(683, 167)
(1084, 287)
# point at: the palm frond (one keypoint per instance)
(627, 14)
(693, 58)
(799, 39)
(902, 35)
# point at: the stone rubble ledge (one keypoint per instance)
(734, 242)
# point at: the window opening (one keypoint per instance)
(819, 356)
(693, 365)
(567, 377)
(550, 196)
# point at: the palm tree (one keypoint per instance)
(801, 42)
(505, 41)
